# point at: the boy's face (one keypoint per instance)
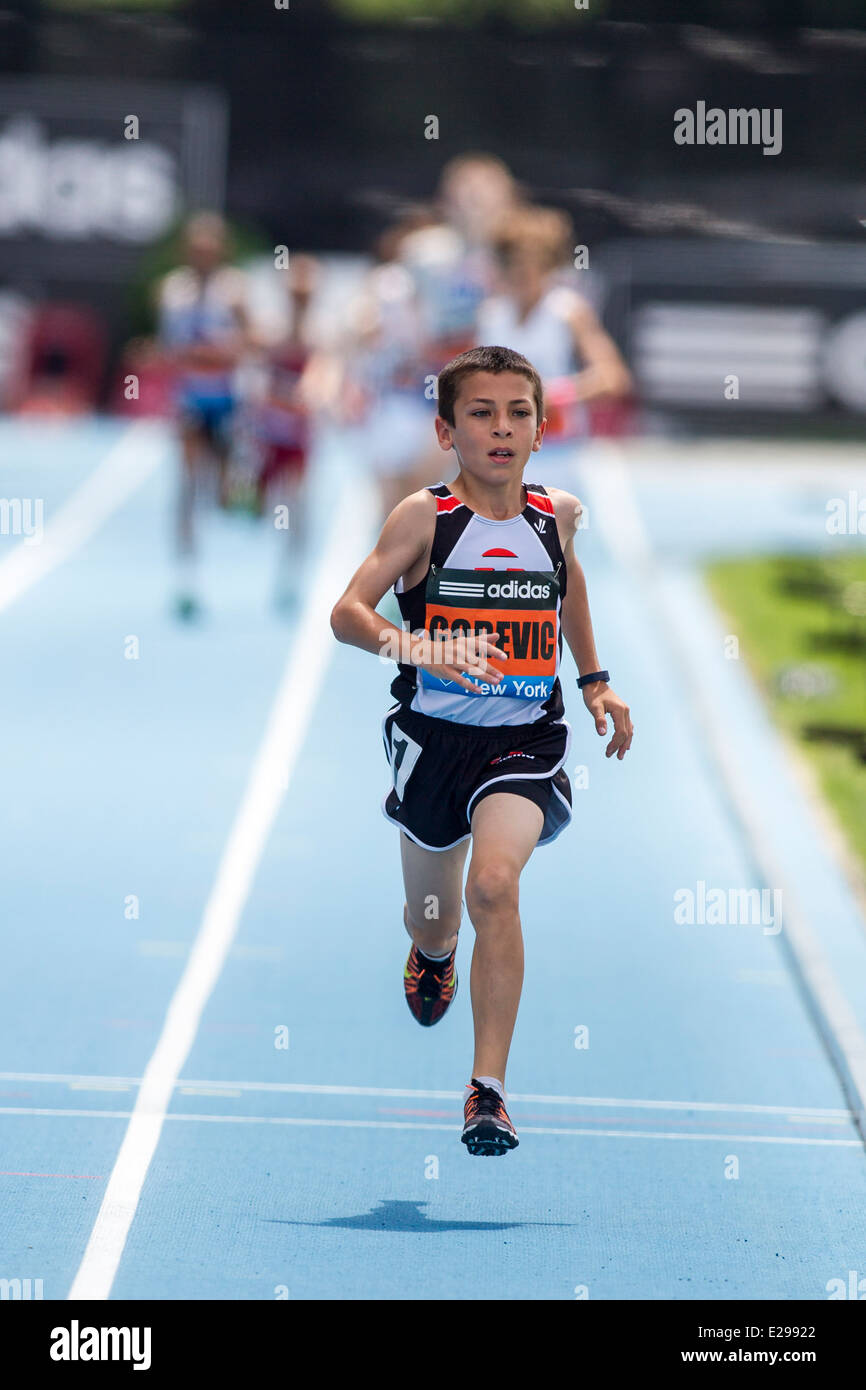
(495, 428)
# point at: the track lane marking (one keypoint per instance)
(99, 1083)
(128, 463)
(292, 709)
(314, 1123)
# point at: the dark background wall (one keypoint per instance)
(327, 119)
(326, 142)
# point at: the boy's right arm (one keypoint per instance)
(407, 533)
(406, 536)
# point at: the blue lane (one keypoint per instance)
(674, 1013)
(122, 777)
(133, 789)
(50, 460)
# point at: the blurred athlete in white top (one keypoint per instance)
(383, 386)
(453, 262)
(453, 268)
(203, 333)
(556, 328)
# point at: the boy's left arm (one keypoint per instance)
(598, 697)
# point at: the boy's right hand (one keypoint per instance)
(453, 656)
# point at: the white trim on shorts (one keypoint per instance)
(550, 839)
(436, 849)
(526, 777)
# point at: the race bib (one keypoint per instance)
(518, 609)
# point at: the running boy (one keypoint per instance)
(488, 584)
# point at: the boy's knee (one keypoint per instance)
(492, 887)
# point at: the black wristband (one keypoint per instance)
(592, 677)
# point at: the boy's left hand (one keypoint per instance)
(601, 701)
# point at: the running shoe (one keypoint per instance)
(487, 1129)
(187, 608)
(429, 988)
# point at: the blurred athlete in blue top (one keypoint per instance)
(203, 333)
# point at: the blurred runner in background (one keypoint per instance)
(453, 267)
(551, 324)
(280, 420)
(385, 364)
(417, 308)
(203, 333)
(453, 262)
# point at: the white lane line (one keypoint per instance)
(311, 1123)
(127, 465)
(291, 712)
(615, 511)
(71, 1114)
(100, 1083)
(208, 1091)
(107, 1084)
(170, 949)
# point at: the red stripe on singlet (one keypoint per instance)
(541, 504)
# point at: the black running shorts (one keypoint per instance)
(441, 769)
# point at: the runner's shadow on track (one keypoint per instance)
(407, 1216)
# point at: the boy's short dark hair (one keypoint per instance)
(485, 359)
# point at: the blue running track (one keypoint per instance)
(700, 1146)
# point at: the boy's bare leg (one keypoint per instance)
(434, 894)
(505, 831)
(191, 463)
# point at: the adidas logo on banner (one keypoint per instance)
(461, 588)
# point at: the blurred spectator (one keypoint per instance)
(62, 362)
(15, 317)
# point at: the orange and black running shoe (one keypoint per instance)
(487, 1129)
(429, 986)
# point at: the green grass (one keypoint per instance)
(779, 630)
